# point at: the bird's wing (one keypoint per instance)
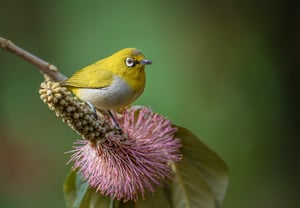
(90, 77)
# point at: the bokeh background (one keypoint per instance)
(227, 70)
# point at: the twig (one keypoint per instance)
(46, 68)
(52, 92)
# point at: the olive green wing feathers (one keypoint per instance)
(90, 77)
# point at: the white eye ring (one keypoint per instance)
(130, 62)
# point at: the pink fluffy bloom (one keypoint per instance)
(124, 168)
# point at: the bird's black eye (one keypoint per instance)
(130, 62)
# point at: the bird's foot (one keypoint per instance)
(115, 121)
(92, 108)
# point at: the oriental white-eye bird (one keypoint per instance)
(113, 82)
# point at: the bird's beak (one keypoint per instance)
(145, 62)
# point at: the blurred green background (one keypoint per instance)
(227, 70)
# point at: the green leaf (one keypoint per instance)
(201, 178)
(79, 195)
(157, 199)
(96, 200)
(82, 194)
(75, 190)
(70, 188)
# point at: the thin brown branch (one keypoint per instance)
(46, 68)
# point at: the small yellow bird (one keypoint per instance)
(113, 82)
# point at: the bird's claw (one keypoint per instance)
(93, 109)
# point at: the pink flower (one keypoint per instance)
(124, 168)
